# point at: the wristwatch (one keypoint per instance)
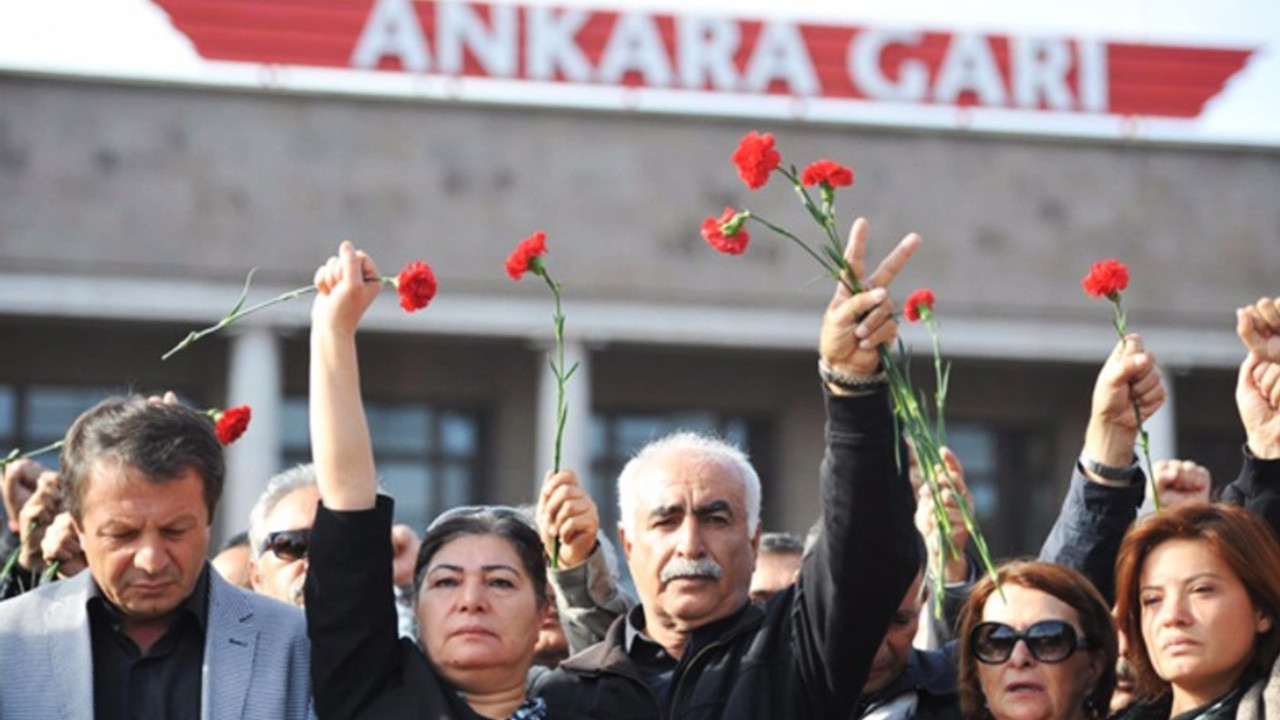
(1124, 473)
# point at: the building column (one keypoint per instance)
(256, 379)
(1162, 431)
(574, 453)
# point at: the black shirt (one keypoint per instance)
(163, 683)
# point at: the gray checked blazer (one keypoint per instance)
(256, 655)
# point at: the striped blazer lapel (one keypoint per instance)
(228, 652)
(66, 622)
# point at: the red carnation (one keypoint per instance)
(1106, 278)
(922, 298)
(733, 242)
(231, 424)
(829, 172)
(756, 158)
(416, 285)
(522, 258)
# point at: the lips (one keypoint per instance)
(1023, 687)
(472, 631)
(1178, 644)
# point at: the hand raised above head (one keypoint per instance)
(1258, 401)
(1258, 326)
(856, 324)
(1181, 482)
(347, 284)
(567, 512)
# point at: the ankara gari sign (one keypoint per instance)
(706, 64)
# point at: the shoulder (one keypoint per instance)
(231, 604)
(31, 607)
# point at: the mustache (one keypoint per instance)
(704, 568)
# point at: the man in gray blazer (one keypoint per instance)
(150, 630)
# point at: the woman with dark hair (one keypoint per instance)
(1040, 647)
(1197, 596)
(480, 581)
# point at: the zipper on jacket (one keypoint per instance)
(675, 697)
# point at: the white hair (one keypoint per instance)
(720, 452)
(278, 488)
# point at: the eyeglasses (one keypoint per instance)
(1049, 641)
(288, 544)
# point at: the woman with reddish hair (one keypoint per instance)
(1041, 647)
(1197, 597)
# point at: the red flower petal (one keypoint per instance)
(518, 262)
(416, 285)
(1106, 278)
(713, 233)
(232, 423)
(756, 158)
(920, 298)
(828, 171)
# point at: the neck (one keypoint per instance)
(497, 704)
(1186, 698)
(145, 632)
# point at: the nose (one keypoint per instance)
(151, 557)
(1174, 610)
(473, 596)
(689, 538)
(1021, 655)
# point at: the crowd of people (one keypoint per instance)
(325, 608)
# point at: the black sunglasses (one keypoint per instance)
(1049, 641)
(288, 544)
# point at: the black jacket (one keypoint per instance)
(932, 675)
(807, 653)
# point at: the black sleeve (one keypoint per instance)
(351, 614)
(865, 558)
(1090, 526)
(1257, 488)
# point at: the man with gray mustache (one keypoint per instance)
(697, 648)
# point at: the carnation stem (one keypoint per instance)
(1144, 440)
(10, 563)
(16, 454)
(562, 380)
(237, 311)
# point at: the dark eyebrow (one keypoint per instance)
(713, 507)
(666, 511)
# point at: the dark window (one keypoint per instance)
(1007, 471)
(429, 457)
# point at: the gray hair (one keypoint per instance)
(278, 488)
(780, 543)
(720, 452)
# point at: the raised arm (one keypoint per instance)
(1107, 483)
(1258, 400)
(340, 442)
(589, 596)
(865, 555)
(351, 616)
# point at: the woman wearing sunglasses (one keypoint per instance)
(480, 581)
(1197, 597)
(1043, 647)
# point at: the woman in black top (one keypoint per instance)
(480, 578)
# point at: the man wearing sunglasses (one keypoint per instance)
(280, 539)
(150, 630)
(279, 530)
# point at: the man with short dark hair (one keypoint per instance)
(150, 630)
